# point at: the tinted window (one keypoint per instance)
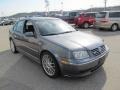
(101, 15)
(72, 14)
(114, 14)
(78, 15)
(29, 27)
(90, 14)
(53, 27)
(19, 27)
(15, 27)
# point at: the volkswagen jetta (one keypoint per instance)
(58, 47)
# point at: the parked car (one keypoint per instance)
(6, 22)
(1, 23)
(59, 48)
(85, 19)
(108, 20)
(69, 18)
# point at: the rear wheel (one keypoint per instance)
(13, 47)
(86, 25)
(50, 65)
(114, 27)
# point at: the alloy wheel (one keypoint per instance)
(48, 65)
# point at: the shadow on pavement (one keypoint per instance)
(105, 33)
(23, 74)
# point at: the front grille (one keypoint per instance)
(98, 51)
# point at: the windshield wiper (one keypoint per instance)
(57, 33)
(51, 34)
(66, 32)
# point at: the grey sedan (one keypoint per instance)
(58, 47)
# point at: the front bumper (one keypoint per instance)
(83, 69)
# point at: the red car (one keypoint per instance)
(85, 19)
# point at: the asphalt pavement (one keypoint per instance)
(18, 72)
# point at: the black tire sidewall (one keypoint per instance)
(112, 27)
(84, 25)
(15, 51)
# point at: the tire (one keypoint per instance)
(50, 65)
(114, 27)
(13, 47)
(86, 25)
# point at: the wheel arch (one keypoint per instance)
(10, 38)
(118, 27)
(86, 22)
(115, 24)
(43, 51)
(53, 54)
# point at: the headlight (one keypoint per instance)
(80, 54)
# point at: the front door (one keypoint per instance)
(30, 40)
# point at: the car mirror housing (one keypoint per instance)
(29, 34)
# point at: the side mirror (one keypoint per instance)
(29, 34)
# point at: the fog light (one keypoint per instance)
(64, 61)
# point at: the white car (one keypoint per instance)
(108, 20)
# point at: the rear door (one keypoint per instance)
(18, 34)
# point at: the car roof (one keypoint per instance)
(40, 18)
(111, 11)
(91, 12)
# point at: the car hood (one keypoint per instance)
(76, 40)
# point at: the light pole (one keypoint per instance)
(105, 1)
(47, 7)
(61, 7)
(91, 8)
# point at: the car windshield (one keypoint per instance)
(53, 27)
(101, 15)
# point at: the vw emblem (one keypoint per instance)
(100, 49)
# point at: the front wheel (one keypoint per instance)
(50, 65)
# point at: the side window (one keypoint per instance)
(29, 28)
(19, 27)
(15, 27)
(115, 14)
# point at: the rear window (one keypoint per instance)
(101, 15)
(114, 14)
(73, 14)
(87, 14)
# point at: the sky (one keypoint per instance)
(10, 7)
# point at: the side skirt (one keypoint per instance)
(29, 55)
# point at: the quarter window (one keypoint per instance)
(19, 27)
(114, 14)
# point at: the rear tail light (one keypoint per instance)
(79, 19)
(104, 20)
